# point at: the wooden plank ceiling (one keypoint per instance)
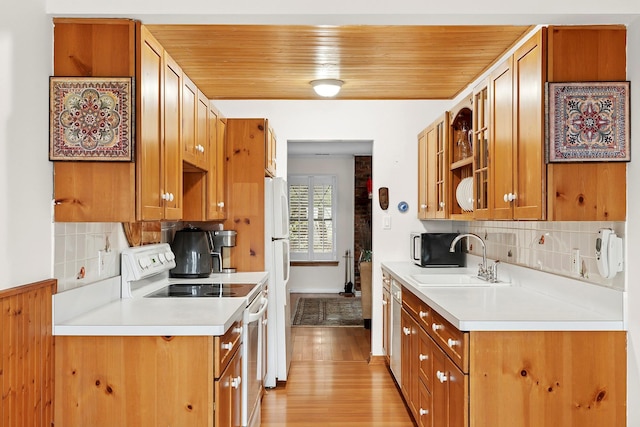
(375, 62)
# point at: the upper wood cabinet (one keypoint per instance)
(459, 145)
(516, 134)
(159, 160)
(94, 191)
(195, 112)
(246, 154)
(270, 158)
(433, 170)
(216, 177)
(481, 115)
(587, 191)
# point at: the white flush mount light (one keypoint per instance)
(327, 87)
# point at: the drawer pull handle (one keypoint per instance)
(436, 327)
(452, 343)
(423, 411)
(226, 345)
(423, 314)
(235, 382)
(442, 376)
(406, 331)
(423, 357)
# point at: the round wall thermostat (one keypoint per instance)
(403, 206)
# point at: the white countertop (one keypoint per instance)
(520, 305)
(93, 310)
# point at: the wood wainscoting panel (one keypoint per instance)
(548, 379)
(26, 362)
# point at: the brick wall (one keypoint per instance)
(362, 210)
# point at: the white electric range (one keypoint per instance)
(145, 274)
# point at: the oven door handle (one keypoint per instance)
(257, 315)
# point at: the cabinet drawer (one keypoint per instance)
(420, 311)
(453, 341)
(225, 346)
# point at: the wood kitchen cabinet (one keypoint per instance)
(195, 115)
(94, 191)
(481, 115)
(216, 177)
(587, 191)
(106, 381)
(460, 154)
(150, 188)
(516, 133)
(433, 170)
(520, 185)
(159, 161)
(247, 152)
(453, 378)
(270, 158)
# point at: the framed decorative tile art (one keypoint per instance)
(588, 121)
(91, 118)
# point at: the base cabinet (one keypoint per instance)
(148, 381)
(452, 378)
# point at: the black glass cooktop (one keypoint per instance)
(190, 290)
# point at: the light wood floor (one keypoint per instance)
(331, 384)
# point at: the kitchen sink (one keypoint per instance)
(451, 280)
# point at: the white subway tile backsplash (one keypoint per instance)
(546, 245)
(77, 245)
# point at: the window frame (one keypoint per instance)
(312, 180)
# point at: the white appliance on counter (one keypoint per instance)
(277, 263)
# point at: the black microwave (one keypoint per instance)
(432, 250)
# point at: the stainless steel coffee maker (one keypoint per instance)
(221, 242)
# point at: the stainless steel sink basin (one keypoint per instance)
(450, 280)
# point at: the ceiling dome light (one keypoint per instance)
(327, 87)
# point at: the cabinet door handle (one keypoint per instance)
(442, 204)
(424, 411)
(423, 357)
(164, 196)
(384, 302)
(442, 376)
(221, 204)
(235, 382)
(510, 197)
(238, 330)
(423, 314)
(451, 342)
(423, 206)
(406, 331)
(436, 327)
(226, 345)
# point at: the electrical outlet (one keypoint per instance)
(576, 264)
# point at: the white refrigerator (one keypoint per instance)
(278, 266)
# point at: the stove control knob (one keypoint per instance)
(162, 258)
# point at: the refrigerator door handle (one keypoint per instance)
(286, 261)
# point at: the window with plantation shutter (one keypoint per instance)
(312, 208)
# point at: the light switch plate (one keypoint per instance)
(386, 222)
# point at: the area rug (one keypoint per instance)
(338, 311)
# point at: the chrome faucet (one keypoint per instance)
(488, 273)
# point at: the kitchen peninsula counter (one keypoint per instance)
(98, 310)
(531, 301)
